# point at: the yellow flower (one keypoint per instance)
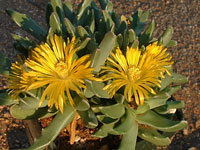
(163, 58)
(19, 79)
(58, 67)
(138, 73)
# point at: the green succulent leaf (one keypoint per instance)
(144, 145)
(91, 21)
(49, 10)
(89, 118)
(6, 100)
(83, 44)
(129, 139)
(101, 54)
(27, 24)
(23, 44)
(103, 131)
(4, 65)
(58, 9)
(178, 78)
(169, 106)
(60, 121)
(97, 89)
(158, 100)
(142, 108)
(83, 6)
(55, 24)
(139, 21)
(68, 10)
(103, 3)
(113, 111)
(17, 112)
(166, 82)
(167, 36)
(70, 28)
(171, 43)
(123, 27)
(135, 44)
(153, 136)
(106, 120)
(146, 36)
(109, 7)
(132, 35)
(83, 105)
(154, 120)
(82, 32)
(108, 20)
(125, 123)
(119, 98)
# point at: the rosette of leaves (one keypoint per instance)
(100, 30)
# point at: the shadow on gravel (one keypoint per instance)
(186, 141)
(17, 139)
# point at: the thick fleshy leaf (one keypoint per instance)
(101, 54)
(113, 111)
(108, 20)
(132, 35)
(55, 24)
(17, 112)
(97, 89)
(171, 43)
(167, 36)
(119, 98)
(83, 44)
(4, 65)
(178, 78)
(89, 118)
(82, 32)
(144, 145)
(129, 139)
(68, 10)
(166, 82)
(153, 136)
(106, 120)
(103, 3)
(146, 36)
(142, 108)
(58, 9)
(84, 6)
(23, 43)
(126, 123)
(60, 121)
(154, 120)
(6, 100)
(27, 24)
(157, 100)
(170, 105)
(139, 21)
(70, 28)
(91, 21)
(103, 131)
(49, 10)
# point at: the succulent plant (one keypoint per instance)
(100, 31)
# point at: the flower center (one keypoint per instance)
(61, 70)
(134, 73)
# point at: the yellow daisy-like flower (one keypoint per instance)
(137, 72)
(58, 67)
(159, 53)
(19, 80)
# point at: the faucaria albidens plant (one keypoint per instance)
(91, 63)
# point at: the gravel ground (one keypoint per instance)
(183, 15)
